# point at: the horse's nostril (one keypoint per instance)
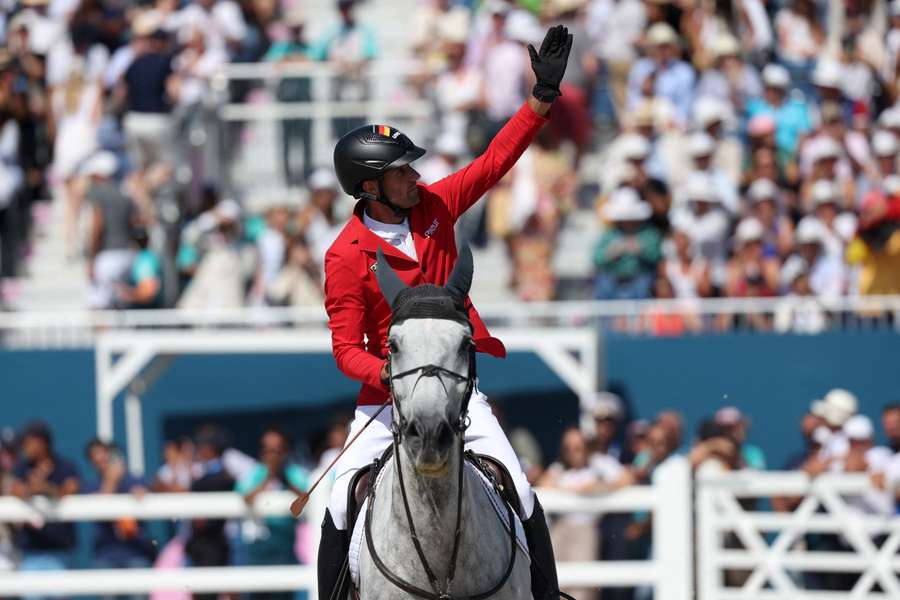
(411, 430)
(445, 434)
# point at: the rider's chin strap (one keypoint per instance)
(383, 199)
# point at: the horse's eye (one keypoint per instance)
(466, 345)
(393, 347)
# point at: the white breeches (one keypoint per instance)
(484, 436)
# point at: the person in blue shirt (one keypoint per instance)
(662, 74)
(791, 115)
(274, 536)
(118, 544)
(349, 46)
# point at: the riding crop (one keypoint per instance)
(299, 504)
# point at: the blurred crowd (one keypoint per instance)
(613, 452)
(743, 149)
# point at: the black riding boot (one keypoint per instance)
(334, 577)
(544, 584)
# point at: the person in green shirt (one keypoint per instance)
(736, 424)
(628, 251)
(144, 287)
(273, 538)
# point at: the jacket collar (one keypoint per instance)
(370, 242)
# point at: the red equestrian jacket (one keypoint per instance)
(358, 314)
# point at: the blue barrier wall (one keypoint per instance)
(772, 378)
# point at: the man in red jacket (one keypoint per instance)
(413, 225)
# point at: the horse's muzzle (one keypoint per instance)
(429, 444)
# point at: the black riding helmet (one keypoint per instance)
(368, 152)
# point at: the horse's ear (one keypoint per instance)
(460, 280)
(388, 281)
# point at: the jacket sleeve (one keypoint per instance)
(346, 307)
(462, 189)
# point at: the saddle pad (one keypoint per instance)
(357, 539)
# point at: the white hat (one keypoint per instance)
(524, 27)
(228, 210)
(661, 33)
(606, 405)
(793, 267)
(709, 110)
(824, 148)
(454, 27)
(699, 188)
(824, 191)
(884, 143)
(497, 7)
(828, 73)
(891, 185)
(625, 205)
(725, 44)
(728, 415)
(700, 144)
(890, 117)
(749, 230)
(451, 144)
(809, 231)
(322, 179)
(101, 164)
(859, 428)
(843, 400)
(634, 146)
(762, 189)
(774, 75)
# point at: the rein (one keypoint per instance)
(460, 426)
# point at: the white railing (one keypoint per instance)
(669, 571)
(79, 328)
(766, 550)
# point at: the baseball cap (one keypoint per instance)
(809, 231)
(725, 44)
(749, 230)
(606, 405)
(824, 191)
(728, 415)
(828, 74)
(891, 185)
(884, 143)
(323, 179)
(776, 76)
(762, 189)
(626, 205)
(660, 34)
(634, 146)
(859, 428)
(701, 144)
(824, 148)
(709, 110)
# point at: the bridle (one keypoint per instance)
(437, 592)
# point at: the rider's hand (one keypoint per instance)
(549, 65)
(385, 375)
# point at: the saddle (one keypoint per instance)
(490, 467)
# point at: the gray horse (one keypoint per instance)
(432, 490)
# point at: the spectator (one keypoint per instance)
(731, 80)
(792, 119)
(274, 537)
(110, 252)
(628, 251)
(298, 283)
(143, 91)
(458, 86)
(735, 425)
(177, 472)
(810, 427)
(836, 227)
(574, 535)
(835, 410)
(119, 544)
(45, 546)
(702, 147)
(661, 74)
(800, 312)
(144, 286)
(698, 212)
(9, 553)
(800, 38)
(608, 413)
(290, 51)
(876, 249)
(207, 545)
(750, 272)
(826, 273)
(716, 118)
(890, 423)
(271, 249)
(322, 219)
(349, 46)
(687, 273)
(778, 230)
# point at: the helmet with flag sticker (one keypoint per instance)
(367, 152)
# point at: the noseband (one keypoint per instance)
(462, 422)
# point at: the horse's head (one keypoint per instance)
(432, 362)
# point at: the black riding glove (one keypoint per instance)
(549, 65)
